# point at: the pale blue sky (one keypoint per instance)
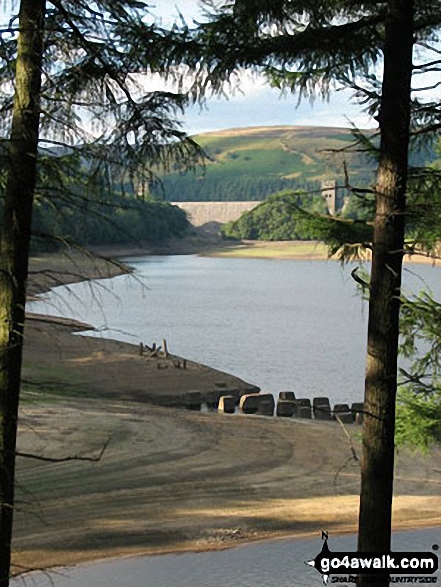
(263, 106)
(260, 105)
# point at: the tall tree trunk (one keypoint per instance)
(377, 466)
(15, 239)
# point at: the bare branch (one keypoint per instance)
(415, 379)
(428, 47)
(66, 459)
(423, 89)
(353, 457)
(359, 280)
(26, 569)
(423, 66)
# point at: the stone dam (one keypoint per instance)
(200, 213)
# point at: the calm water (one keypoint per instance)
(278, 324)
(282, 325)
(278, 563)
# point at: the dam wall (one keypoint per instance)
(200, 213)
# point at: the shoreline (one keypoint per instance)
(68, 267)
(196, 548)
(282, 486)
(218, 247)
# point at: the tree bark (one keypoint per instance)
(377, 466)
(15, 240)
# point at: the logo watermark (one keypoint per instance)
(332, 564)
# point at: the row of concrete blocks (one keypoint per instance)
(287, 405)
(320, 409)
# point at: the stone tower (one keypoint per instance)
(329, 192)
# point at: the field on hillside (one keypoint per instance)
(250, 164)
(280, 152)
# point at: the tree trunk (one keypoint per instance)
(15, 239)
(377, 466)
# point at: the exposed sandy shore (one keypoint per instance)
(296, 250)
(213, 245)
(171, 479)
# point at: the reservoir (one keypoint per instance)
(279, 563)
(278, 324)
(283, 325)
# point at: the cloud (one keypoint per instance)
(264, 106)
(253, 102)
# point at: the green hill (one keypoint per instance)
(251, 163)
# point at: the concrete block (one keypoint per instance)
(341, 408)
(249, 403)
(287, 395)
(236, 394)
(266, 405)
(345, 417)
(344, 413)
(357, 410)
(227, 404)
(285, 408)
(303, 402)
(193, 400)
(304, 412)
(212, 399)
(322, 408)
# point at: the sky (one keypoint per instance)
(259, 105)
(263, 106)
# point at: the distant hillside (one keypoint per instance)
(251, 163)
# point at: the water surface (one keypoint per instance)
(279, 563)
(279, 324)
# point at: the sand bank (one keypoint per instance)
(173, 480)
(297, 251)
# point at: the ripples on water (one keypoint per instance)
(282, 325)
(279, 563)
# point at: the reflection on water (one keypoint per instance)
(281, 325)
(278, 563)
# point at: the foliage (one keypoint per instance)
(227, 188)
(299, 216)
(281, 217)
(420, 328)
(71, 206)
(419, 396)
(423, 219)
(90, 98)
(101, 132)
(418, 422)
(100, 223)
(250, 164)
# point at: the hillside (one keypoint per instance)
(251, 163)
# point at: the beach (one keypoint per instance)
(172, 480)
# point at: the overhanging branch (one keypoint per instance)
(65, 459)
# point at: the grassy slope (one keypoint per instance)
(279, 151)
(244, 162)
